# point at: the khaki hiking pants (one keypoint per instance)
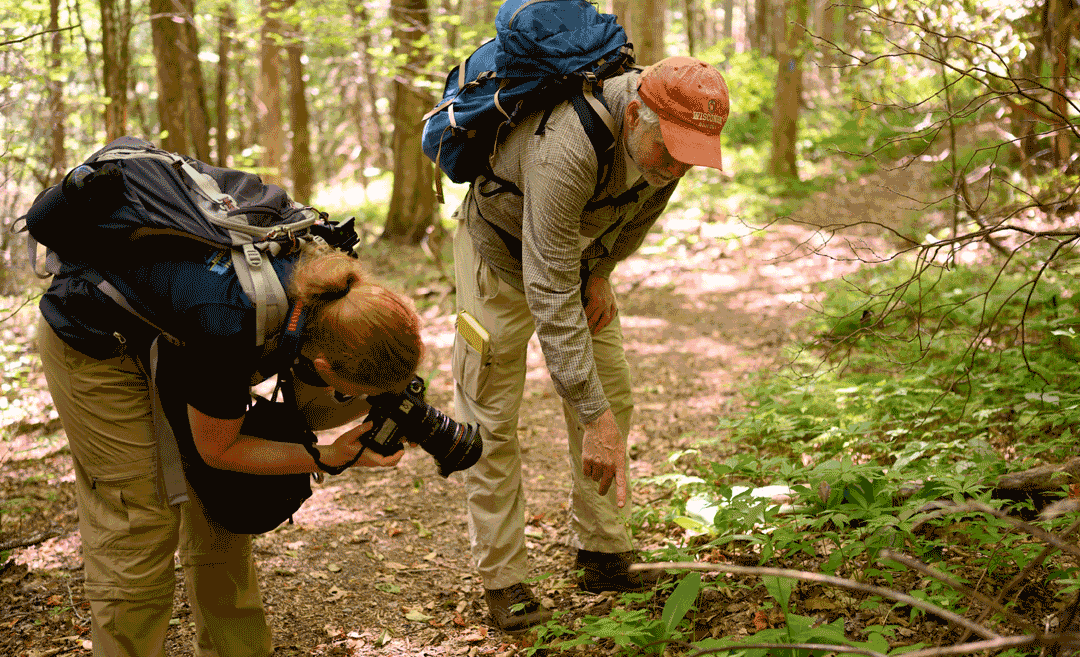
(491, 393)
(129, 536)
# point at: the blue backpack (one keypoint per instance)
(545, 52)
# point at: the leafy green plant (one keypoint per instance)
(636, 628)
(628, 628)
(796, 629)
(678, 604)
(945, 365)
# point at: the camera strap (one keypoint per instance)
(290, 346)
(290, 335)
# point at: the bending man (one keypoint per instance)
(539, 259)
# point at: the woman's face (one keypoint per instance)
(347, 387)
(646, 148)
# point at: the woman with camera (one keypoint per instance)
(359, 339)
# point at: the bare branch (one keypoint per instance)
(37, 34)
(840, 582)
(978, 646)
(992, 605)
(790, 646)
(1050, 539)
(29, 541)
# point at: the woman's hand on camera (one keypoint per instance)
(347, 446)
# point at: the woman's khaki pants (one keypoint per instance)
(490, 393)
(129, 536)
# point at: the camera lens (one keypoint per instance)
(407, 416)
(454, 446)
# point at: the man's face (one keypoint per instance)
(646, 148)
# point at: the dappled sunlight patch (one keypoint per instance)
(638, 323)
(63, 552)
(702, 347)
(535, 363)
(347, 498)
(693, 221)
(716, 282)
(438, 332)
(31, 446)
(355, 195)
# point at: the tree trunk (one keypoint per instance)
(269, 132)
(788, 91)
(1021, 122)
(816, 17)
(197, 121)
(761, 40)
(247, 88)
(451, 8)
(226, 27)
(412, 201)
(372, 136)
(116, 62)
(57, 111)
(165, 33)
(692, 25)
(729, 25)
(299, 121)
(831, 17)
(488, 11)
(624, 11)
(648, 19)
(850, 20)
(1061, 25)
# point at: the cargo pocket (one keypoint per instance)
(128, 540)
(123, 512)
(472, 369)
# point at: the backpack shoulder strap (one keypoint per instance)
(629, 196)
(599, 126)
(172, 485)
(262, 285)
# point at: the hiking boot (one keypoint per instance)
(603, 571)
(515, 608)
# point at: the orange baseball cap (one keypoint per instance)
(691, 99)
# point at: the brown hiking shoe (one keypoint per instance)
(603, 571)
(515, 608)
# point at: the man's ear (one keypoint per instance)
(632, 113)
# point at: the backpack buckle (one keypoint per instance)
(252, 256)
(228, 202)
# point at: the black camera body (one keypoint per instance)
(397, 418)
(340, 235)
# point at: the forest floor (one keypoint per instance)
(377, 562)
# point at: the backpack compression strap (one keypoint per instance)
(262, 285)
(109, 290)
(254, 271)
(203, 183)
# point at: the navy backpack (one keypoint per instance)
(131, 197)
